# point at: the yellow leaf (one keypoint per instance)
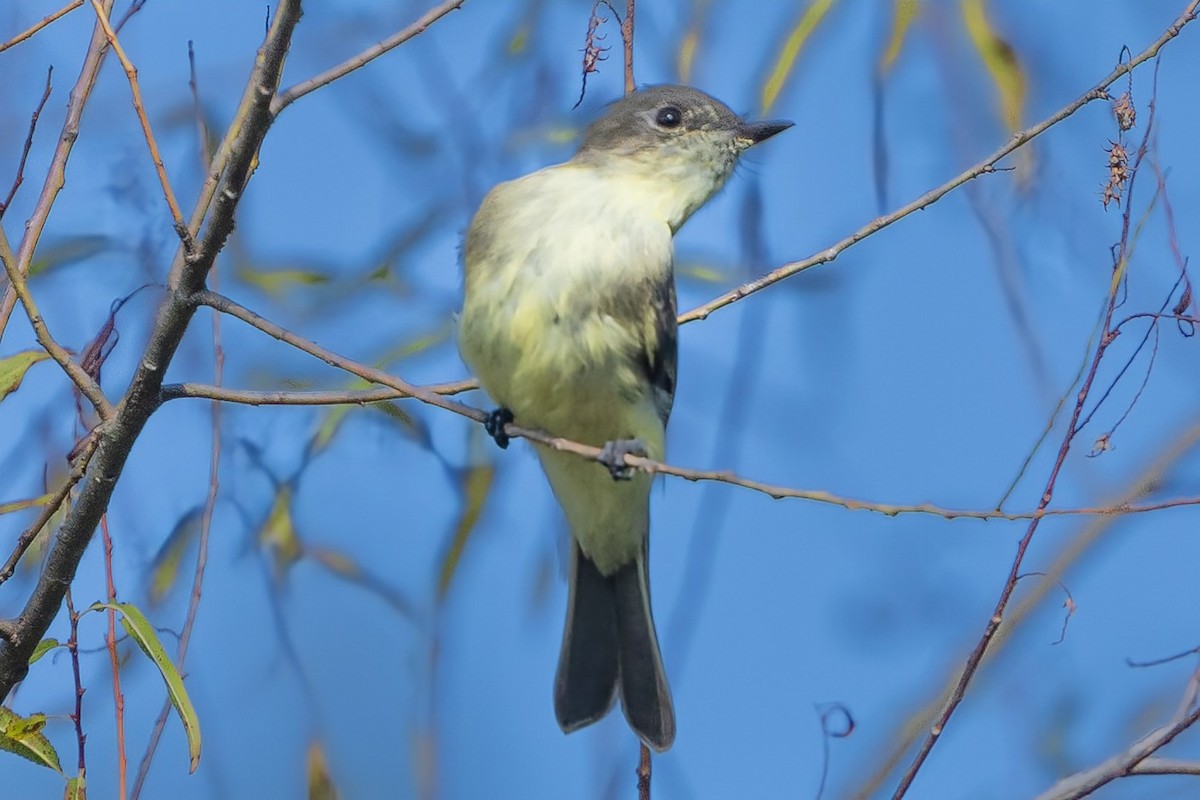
(782, 70)
(477, 484)
(278, 533)
(705, 273)
(904, 12)
(330, 425)
(1000, 60)
(20, 505)
(320, 782)
(277, 281)
(687, 55)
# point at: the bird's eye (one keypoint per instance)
(669, 117)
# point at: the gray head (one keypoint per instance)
(676, 136)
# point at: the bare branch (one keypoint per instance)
(975, 658)
(22, 36)
(50, 508)
(56, 174)
(987, 165)
(293, 93)
(1136, 760)
(181, 228)
(1170, 452)
(358, 397)
(16, 282)
(435, 395)
(33, 121)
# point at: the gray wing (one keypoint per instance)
(661, 345)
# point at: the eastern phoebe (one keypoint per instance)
(569, 323)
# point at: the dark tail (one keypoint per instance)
(609, 646)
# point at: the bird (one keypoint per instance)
(569, 323)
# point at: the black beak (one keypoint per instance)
(756, 132)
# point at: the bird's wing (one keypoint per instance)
(661, 345)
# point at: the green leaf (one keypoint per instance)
(14, 367)
(142, 632)
(76, 789)
(43, 647)
(477, 483)
(23, 736)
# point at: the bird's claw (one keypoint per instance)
(494, 425)
(612, 455)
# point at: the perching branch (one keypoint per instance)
(436, 395)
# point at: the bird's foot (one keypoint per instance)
(494, 425)
(612, 455)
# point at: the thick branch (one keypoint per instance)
(187, 276)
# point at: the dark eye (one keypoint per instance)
(669, 117)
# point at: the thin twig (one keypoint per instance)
(33, 121)
(181, 228)
(358, 397)
(971, 666)
(900, 741)
(49, 508)
(16, 281)
(643, 773)
(77, 716)
(1136, 760)
(627, 42)
(110, 642)
(210, 502)
(23, 35)
(435, 395)
(227, 306)
(293, 93)
(985, 166)
(56, 173)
